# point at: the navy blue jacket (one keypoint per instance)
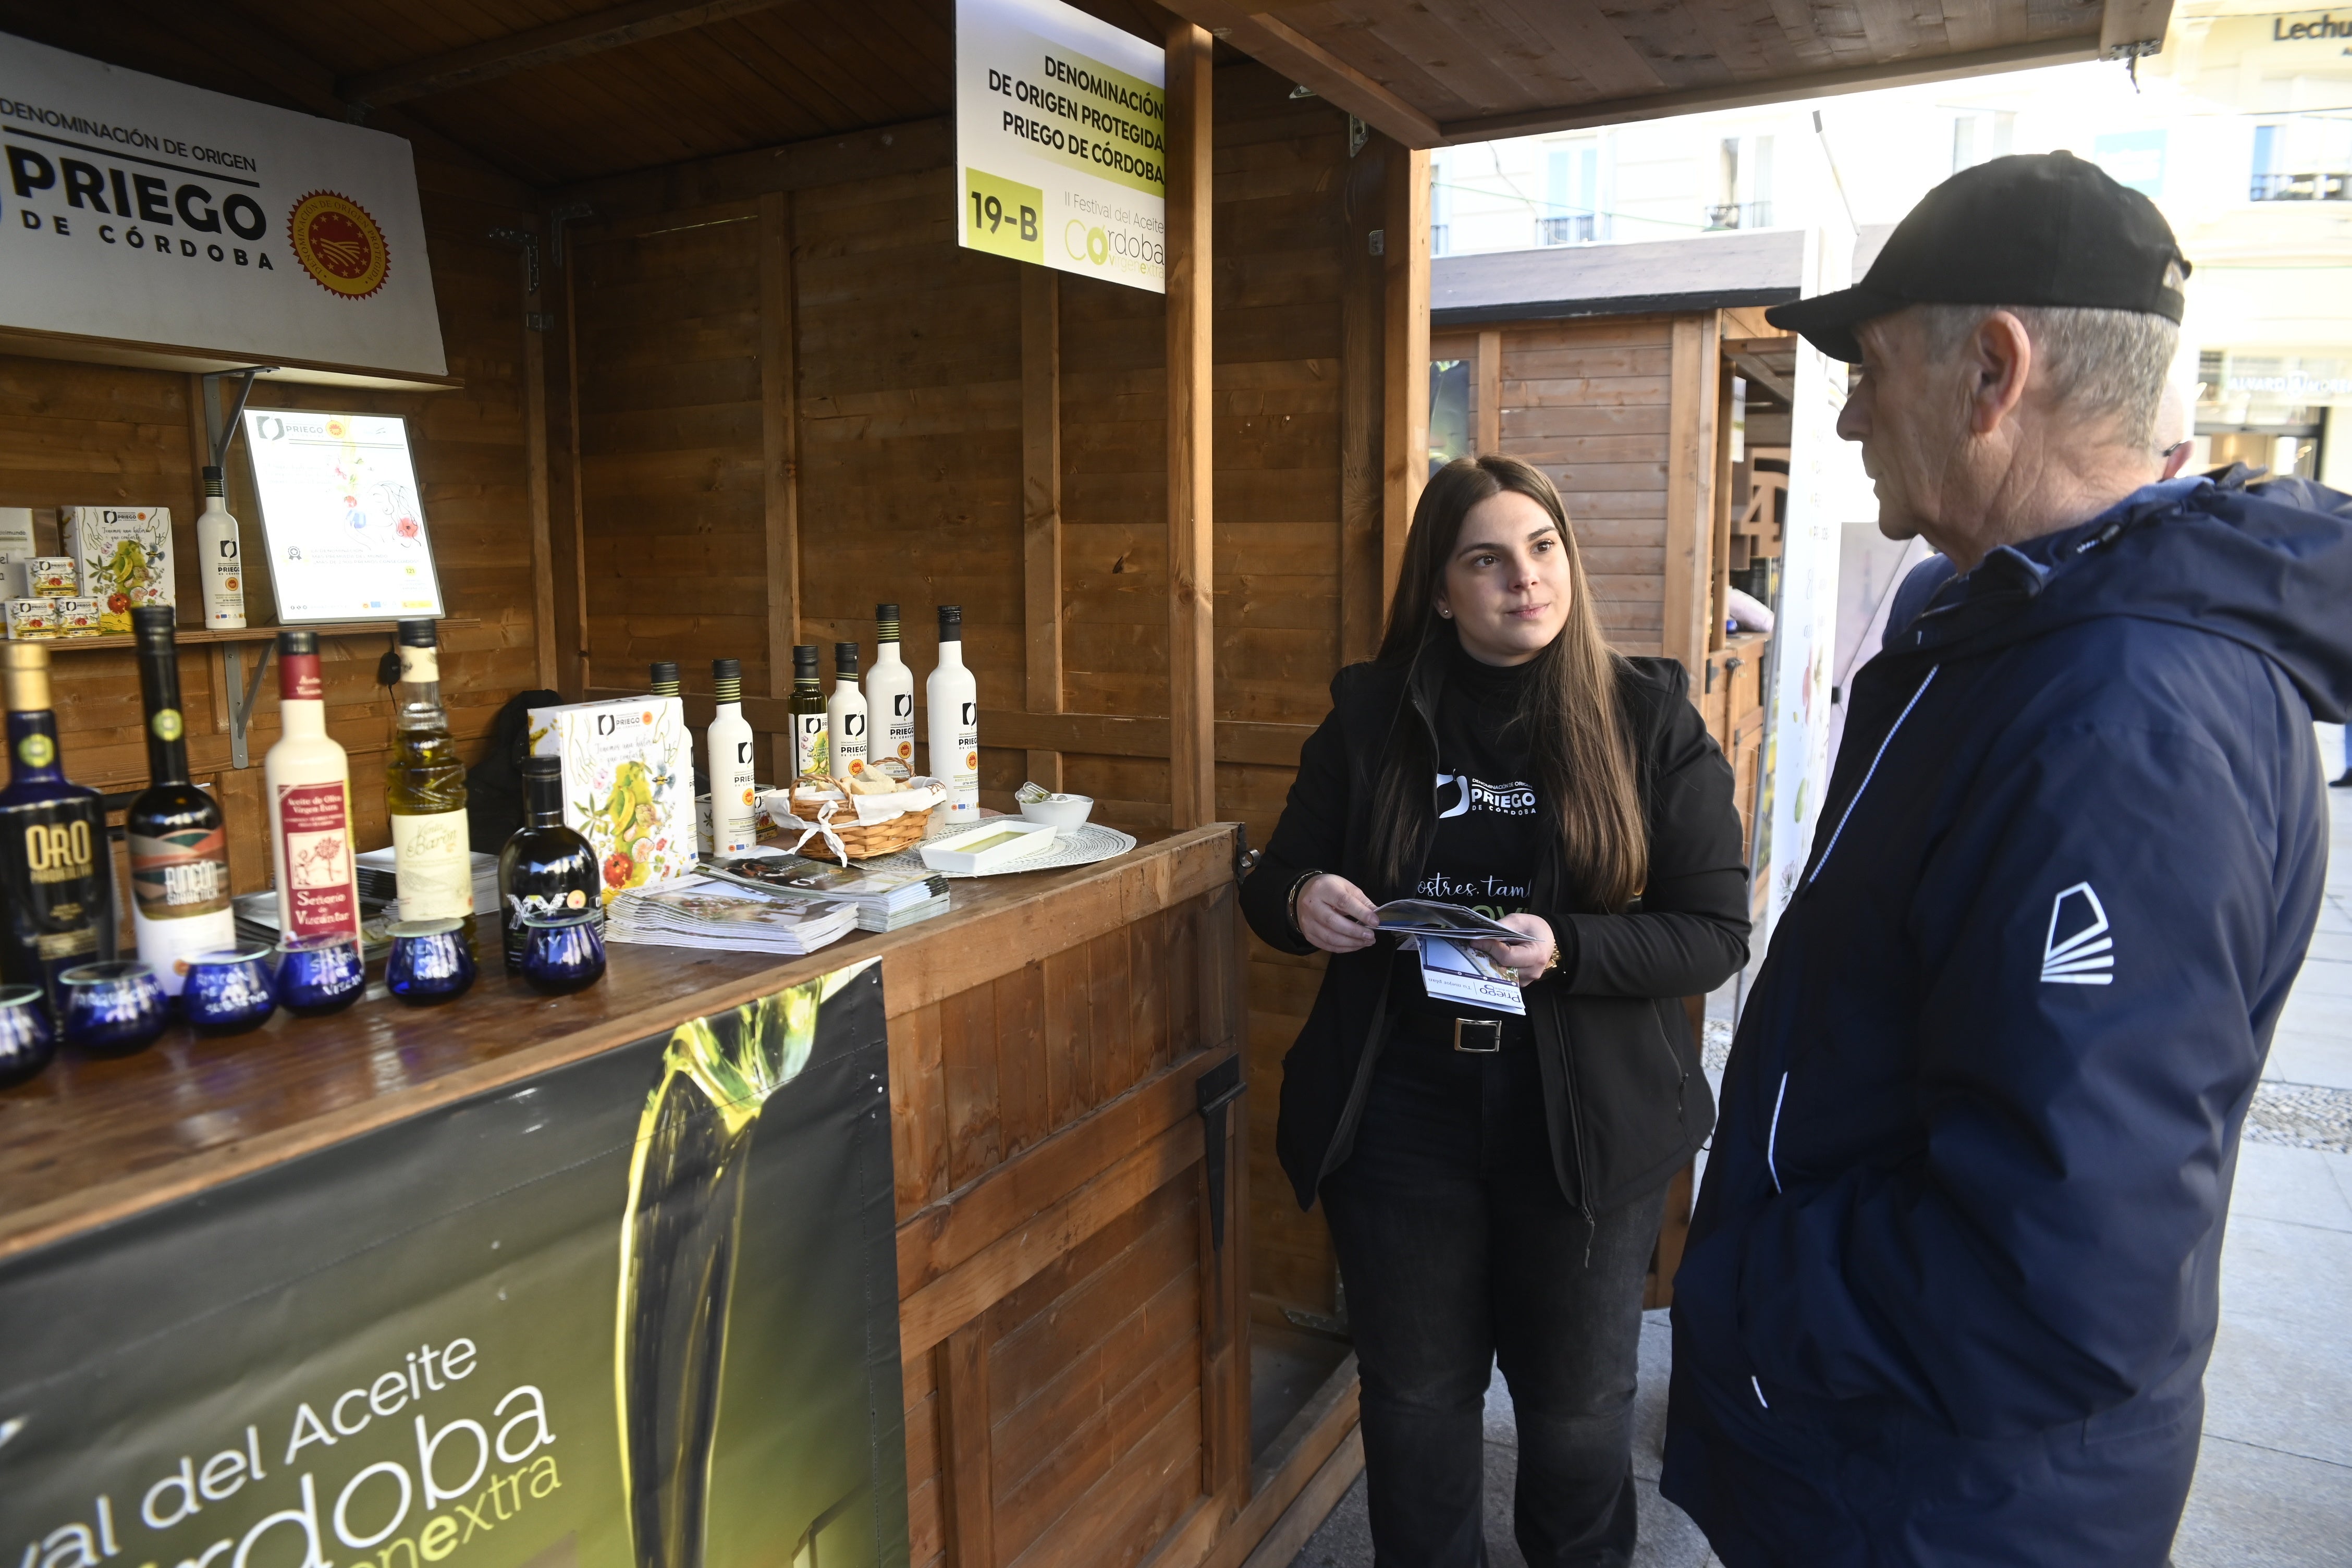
(1952, 1281)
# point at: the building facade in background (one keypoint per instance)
(2240, 131)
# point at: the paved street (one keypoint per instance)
(2275, 1479)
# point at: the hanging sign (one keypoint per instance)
(146, 211)
(1062, 140)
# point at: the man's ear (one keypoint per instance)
(2001, 359)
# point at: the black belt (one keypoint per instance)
(1478, 1036)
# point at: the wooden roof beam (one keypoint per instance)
(567, 40)
(1270, 41)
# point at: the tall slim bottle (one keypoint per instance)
(220, 561)
(177, 837)
(808, 715)
(952, 698)
(56, 872)
(845, 716)
(890, 693)
(425, 789)
(308, 781)
(734, 826)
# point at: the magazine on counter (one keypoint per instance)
(796, 876)
(703, 911)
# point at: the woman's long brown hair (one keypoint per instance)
(1569, 710)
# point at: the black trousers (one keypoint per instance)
(1458, 1251)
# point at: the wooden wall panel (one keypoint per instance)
(1590, 402)
(91, 435)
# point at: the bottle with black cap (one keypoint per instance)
(845, 716)
(952, 698)
(177, 837)
(734, 826)
(808, 715)
(545, 868)
(662, 677)
(220, 567)
(307, 779)
(56, 873)
(425, 789)
(891, 694)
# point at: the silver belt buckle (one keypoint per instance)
(1468, 1030)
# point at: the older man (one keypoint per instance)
(1951, 1287)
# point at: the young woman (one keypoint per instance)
(1493, 1180)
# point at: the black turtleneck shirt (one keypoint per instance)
(1490, 822)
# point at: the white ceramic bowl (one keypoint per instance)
(1062, 811)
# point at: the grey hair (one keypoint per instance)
(2099, 365)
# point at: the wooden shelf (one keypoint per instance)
(244, 635)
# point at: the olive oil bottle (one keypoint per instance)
(56, 872)
(425, 789)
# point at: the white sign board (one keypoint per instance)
(140, 210)
(342, 518)
(1062, 140)
(1822, 468)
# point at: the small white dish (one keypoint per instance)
(1059, 811)
(990, 846)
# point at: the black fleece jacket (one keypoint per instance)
(1625, 1099)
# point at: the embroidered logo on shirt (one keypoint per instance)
(1459, 793)
(2085, 956)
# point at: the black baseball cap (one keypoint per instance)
(2041, 229)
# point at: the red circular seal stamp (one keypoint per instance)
(337, 244)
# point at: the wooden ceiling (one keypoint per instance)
(551, 92)
(1438, 72)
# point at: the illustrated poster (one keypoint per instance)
(343, 516)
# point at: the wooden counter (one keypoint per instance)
(1067, 1313)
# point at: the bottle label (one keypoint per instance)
(900, 735)
(224, 585)
(435, 870)
(180, 876)
(734, 811)
(297, 677)
(849, 747)
(809, 752)
(418, 664)
(315, 838)
(57, 851)
(963, 777)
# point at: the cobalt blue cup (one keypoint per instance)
(26, 1040)
(229, 991)
(112, 1009)
(563, 951)
(319, 974)
(430, 961)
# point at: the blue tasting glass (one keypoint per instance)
(564, 951)
(26, 1040)
(430, 961)
(319, 974)
(229, 991)
(113, 1008)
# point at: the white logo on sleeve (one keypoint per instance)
(2085, 954)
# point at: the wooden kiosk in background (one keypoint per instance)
(719, 380)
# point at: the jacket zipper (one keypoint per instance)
(1864, 787)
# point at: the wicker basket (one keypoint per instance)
(861, 840)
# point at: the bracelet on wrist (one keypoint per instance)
(1298, 887)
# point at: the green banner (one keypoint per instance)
(640, 1311)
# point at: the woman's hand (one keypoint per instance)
(1334, 915)
(1526, 957)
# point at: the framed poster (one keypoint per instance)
(341, 516)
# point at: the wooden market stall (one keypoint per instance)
(719, 378)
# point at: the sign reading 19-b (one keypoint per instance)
(1005, 216)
